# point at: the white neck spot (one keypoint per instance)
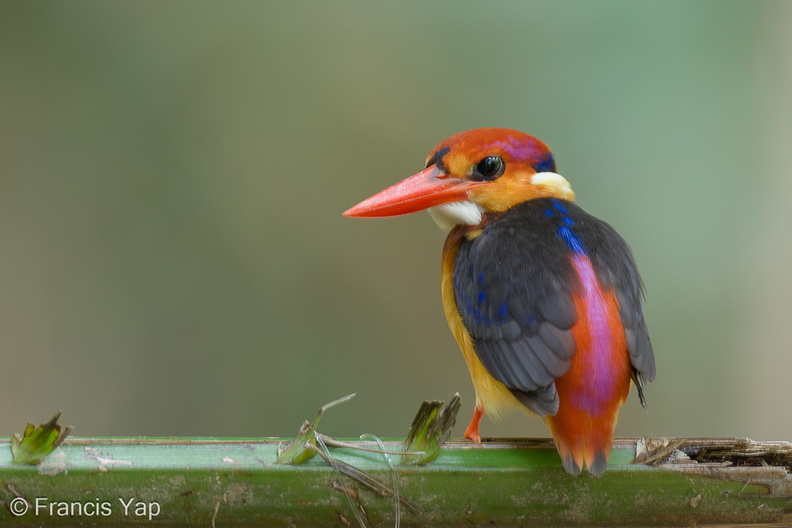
(558, 185)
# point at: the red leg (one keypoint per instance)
(472, 430)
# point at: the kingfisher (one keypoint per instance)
(543, 299)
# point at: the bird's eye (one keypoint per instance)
(488, 169)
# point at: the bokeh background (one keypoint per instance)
(173, 259)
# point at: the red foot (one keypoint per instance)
(471, 432)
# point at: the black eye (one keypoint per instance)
(488, 169)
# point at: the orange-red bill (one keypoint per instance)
(421, 191)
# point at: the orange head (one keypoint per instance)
(485, 170)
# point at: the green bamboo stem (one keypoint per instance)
(233, 482)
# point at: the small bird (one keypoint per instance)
(544, 300)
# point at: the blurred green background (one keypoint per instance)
(173, 259)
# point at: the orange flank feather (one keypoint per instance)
(598, 380)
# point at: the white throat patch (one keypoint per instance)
(455, 213)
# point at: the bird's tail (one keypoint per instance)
(582, 440)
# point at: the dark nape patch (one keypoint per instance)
(546, 164)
